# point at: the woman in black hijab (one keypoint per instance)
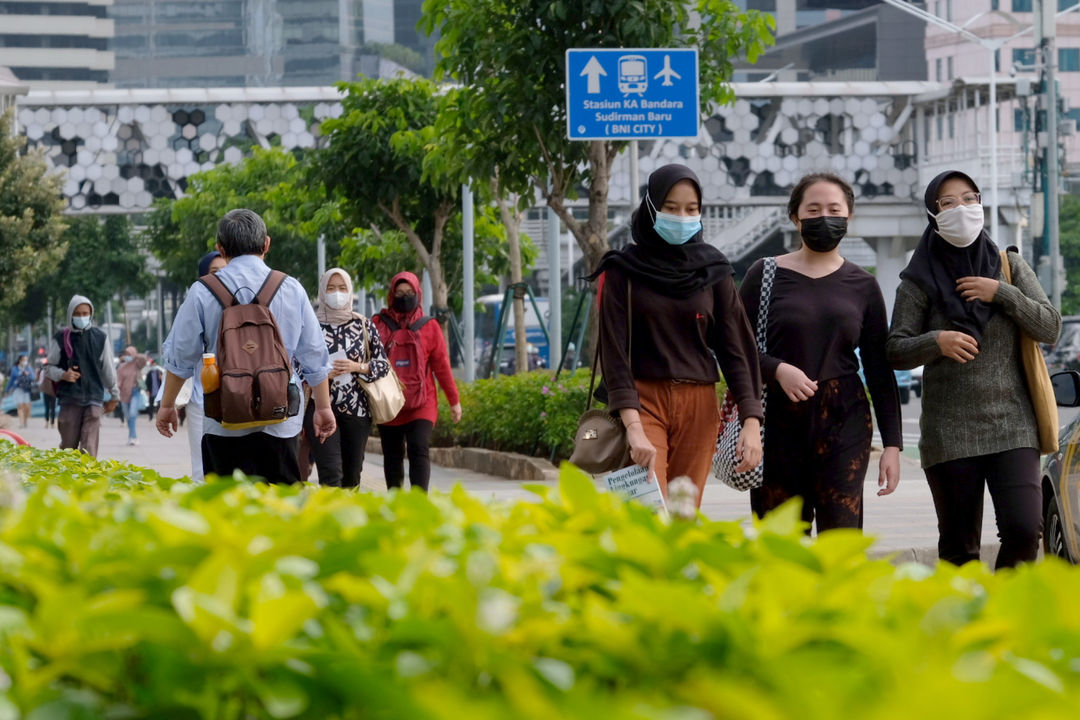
(956, 314)
(669, 311)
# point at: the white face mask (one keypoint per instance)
(959, 226)
(338, 300)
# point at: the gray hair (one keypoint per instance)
(241, 232)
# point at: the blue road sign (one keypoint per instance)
(631, 94)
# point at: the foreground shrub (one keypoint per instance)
(126, 595)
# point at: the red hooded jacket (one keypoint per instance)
(433, 342)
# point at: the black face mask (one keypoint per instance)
(822, 234)
(406, 303)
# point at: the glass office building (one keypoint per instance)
(251, 43)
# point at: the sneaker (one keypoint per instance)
(134, 441)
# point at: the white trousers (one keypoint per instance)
(194, 424)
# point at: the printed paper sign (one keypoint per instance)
(633, 483)
(344, 378)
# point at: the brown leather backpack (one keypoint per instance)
(252, 361)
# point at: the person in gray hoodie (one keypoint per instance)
(81, 366)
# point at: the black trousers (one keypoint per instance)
(50, 407)
(417, 436)
(818, 450)
(341, 457)
(257, 455)
(1013, 478)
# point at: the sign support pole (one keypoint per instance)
(554, 319)
(468, 309)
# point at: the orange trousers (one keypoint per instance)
(681, 420)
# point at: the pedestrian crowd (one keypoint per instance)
(272, 385)
(670, 316)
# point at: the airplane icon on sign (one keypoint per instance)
(667, 73)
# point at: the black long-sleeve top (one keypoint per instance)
(815, 324)
(677, 339)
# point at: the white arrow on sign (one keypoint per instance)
(594, 70)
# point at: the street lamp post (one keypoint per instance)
(1045, 34)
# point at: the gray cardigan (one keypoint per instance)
(982, 406)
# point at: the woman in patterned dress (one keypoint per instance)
(357, 354)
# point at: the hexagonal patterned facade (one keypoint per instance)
(123, 149)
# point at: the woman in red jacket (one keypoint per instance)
(418, 353)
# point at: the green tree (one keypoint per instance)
(510, 57)
(375, 257)
(1069, 233)
(31, 224)
(375, 159)
(273, 183)
(104, 259)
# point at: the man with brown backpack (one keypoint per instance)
(249, 323)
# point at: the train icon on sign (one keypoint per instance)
(633, 74)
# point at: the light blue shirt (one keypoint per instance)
(195, 331)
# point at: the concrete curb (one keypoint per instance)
(512, 466)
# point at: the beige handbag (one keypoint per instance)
(1038, 382)
(386, 396)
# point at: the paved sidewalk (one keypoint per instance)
(903, 523)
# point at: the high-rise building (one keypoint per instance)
(950, 56)
(845, 40)
(253, 43)
(57, 45)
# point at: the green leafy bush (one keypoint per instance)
(529, 413)
(127, 595)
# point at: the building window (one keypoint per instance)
(1021, 5)
(940, 125)
(1018, 120)
(937, 69)
(952, 125)
(997, 60)
(948, 10)
(949, 62)
(1069, 59)
(1024, 56)
(994, 5)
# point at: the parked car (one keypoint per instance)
(916, 381)
(1065, 353)
(1061, 477)
(904, 380)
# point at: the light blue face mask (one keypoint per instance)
(81, 322)
(677, 229)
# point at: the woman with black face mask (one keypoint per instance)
(824, 314)
(418, 354)
(956, 314)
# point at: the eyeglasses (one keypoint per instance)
(948, 202)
